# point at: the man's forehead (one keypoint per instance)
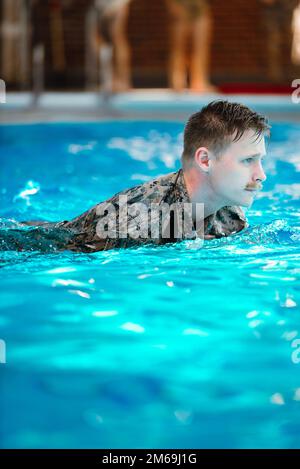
(250, 143)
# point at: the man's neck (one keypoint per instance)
(200, 191)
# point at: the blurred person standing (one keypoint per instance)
(191, 25)
(277, 22)
(296, 36)
(15, 41)
(112, 31)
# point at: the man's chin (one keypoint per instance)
(248, 205)
(243, 201)
(247, 202)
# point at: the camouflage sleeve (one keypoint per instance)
(238, 218)
(79, 235)
(85, 237)
(227, 221)
(35, 236)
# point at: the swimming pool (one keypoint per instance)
(169, 347)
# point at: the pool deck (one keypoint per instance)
(138, 104)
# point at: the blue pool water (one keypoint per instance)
(169, 347)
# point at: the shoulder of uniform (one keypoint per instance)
(150, 190)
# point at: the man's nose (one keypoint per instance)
(260, 175)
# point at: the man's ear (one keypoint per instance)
(202, 158)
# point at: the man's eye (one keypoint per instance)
(248, 160)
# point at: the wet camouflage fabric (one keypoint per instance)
(36, 236)
(81, 234)
(169, 189)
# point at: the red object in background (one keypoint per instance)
(252, 88)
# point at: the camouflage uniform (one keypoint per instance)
(81, 234)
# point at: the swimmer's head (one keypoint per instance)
(224, 146)
(219, 124)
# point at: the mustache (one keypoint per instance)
(254, 187)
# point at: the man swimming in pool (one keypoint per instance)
(224, 145)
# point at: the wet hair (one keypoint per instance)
(219, 124)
